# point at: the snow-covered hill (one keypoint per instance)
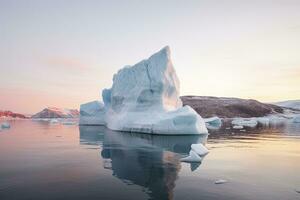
(294, 104)
(53, 112)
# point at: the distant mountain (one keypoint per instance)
(9, 114)
(294, 104)
(53, 112)
(224, 107)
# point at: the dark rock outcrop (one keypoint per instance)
(225, 107)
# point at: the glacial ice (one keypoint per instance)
(92, 113)
(145, 98)
(200, 149)
(193, 157)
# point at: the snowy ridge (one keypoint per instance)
(54, 112)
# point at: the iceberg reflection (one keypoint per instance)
(150, 161)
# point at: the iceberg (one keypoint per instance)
(193, 157)
(5, 125)
(92, 113)
(145, 98)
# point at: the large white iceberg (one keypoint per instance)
(145, 98)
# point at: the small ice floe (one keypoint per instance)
(296, 119)
(220, 181)
(213, 122)
(264, 121)
(54, 121)
(245, 122)
(5, 125)
(237, 127)
(200, 149)
(193, 157)
(68, 122)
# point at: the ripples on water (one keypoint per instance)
(43, 161)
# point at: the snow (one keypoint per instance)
(244, 122)
(92, 113)
(193, 157)
(5, 125)
(54, 112)
(145, 98)
(295, 104)
(200, 149)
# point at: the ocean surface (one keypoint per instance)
(40, 160)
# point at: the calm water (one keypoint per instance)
(43, 161)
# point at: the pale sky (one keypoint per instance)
(63, 53)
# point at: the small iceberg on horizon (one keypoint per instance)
(5, 125)
(145, 98)
(245, 122)
(213, 122)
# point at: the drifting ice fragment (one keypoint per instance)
(244, 122)
(200, 149)
(53, 121)
(193, 157)
(220, 181)
(5, 125)
(237, 127)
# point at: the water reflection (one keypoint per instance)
(150, 161)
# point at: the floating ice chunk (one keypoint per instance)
(54, 121)
(237, 127)
(296, 119)
(5, 125)
(213, 122)
(220, 181)
(244, 122)
(92, 113)
(193, 157)
(200, 149)
(145, 98)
